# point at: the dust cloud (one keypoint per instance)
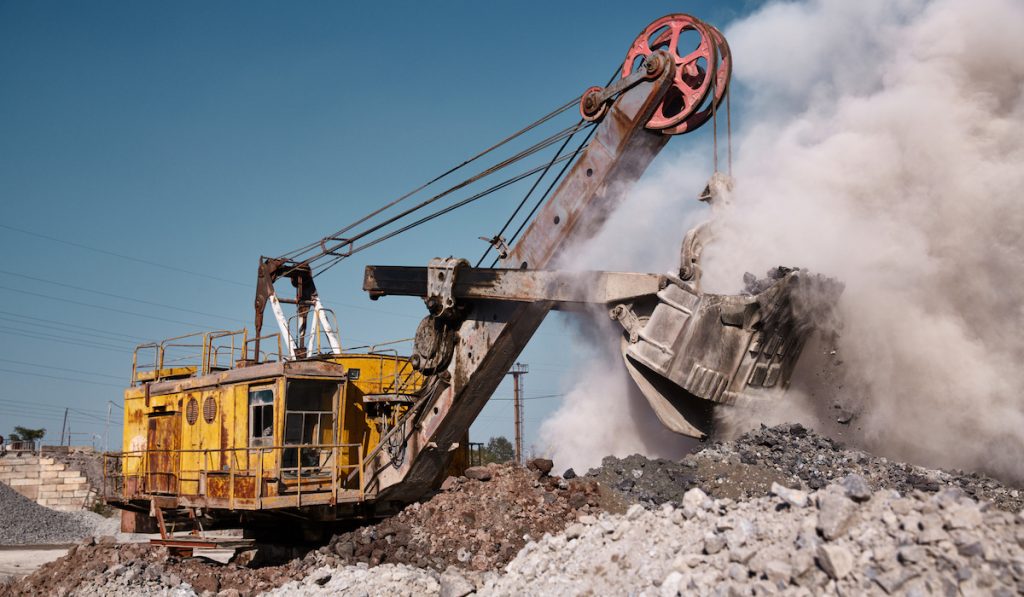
(882, 142)
(604, 413)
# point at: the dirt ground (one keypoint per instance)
(20, 560)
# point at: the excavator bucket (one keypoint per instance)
(688, 350)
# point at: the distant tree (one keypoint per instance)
(498, 449)
(24, 434)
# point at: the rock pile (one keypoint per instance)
(477, 522)
(790, 455)
(386, 580)
(111, 569)
(839, 540)
(23, 522)
(779, 509)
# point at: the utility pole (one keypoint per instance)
(63, 427)
(106, 428)
(518, 370)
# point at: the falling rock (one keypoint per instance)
(794, 497)
(569, 474)
(541, 465)
(835, 514)
(480, 473)
(835, 560)
(857, 488)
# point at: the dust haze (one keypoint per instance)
(883, 144)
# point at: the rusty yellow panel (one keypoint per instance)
(381, 373)
(191, 440)
(165, 373)
(208, 426)
(240, 427)
(134, 435)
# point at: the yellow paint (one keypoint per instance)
(223, 445)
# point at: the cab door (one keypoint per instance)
(162, 457)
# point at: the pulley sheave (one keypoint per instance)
(700, 73)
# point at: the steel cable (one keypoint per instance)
(513, 136)
(436, 214)
(583, 145)
(511, 218)
(349, 242)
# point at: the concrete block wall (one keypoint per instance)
(47, 482)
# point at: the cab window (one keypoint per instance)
(261, 416)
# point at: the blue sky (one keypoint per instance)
(150, 153)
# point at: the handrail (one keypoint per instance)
(201, 363)
(245, 353)
(114, 484)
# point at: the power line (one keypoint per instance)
(6, 402)
(75, 325)
(63, 369)
(119, 255)
(59, 414)
(88, 338)
(95, 383)
(44, 337)
(116, 296)
(65, 328)
(111, 309)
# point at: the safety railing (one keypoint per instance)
(264, 356)
(402, 377)
(189, 355)
(161, 473)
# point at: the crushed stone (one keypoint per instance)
(941, 543)
(24, 522)
(792, 456)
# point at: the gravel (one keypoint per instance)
(24, 522)
(789, 455)
(779, 509)
(385, 580)
(476, 522)
(941, 543)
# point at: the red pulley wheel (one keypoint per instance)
(720, 78)
(692, 82)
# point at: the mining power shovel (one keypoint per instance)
(687, 350)
(259, 429)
